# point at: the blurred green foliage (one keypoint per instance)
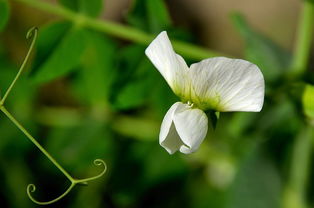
(260, 50)
(4, 11)
(89, 95)
(91, 8)
(308, 100)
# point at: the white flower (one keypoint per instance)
(220, 84)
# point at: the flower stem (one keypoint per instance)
(304, 39)
(295, 191)
(118, 30)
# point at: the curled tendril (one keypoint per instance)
(31, 188)
(97, 162)
(32, 32)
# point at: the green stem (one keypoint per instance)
(118, 30)
(33, 140)
(301, 159)
(295, 191)
(31, 33)
(304, 39)
(31, 187)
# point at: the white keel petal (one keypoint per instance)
(191, 125)
(168, 136)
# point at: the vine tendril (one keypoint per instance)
(97, 162)
(32, 33)
(31, 188)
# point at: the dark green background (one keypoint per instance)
(88, 95)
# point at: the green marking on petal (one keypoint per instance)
(208, 103)
(187, 94)
(202, 103)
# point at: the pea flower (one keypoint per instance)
(220, 84)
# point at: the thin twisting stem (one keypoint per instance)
(31, 187)
(97, 162)
(33, 140)
(32, 33)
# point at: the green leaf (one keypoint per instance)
(136, 78)
(158, 16)
(137, 15)
(308, 101)
(163, 96)
(137, 91)
(97, 73)
(269, 57)
(4, 13)
(92, 8)
(64, 59)
(70, 4)
(49, 37)
(134, 94)
(149, 15)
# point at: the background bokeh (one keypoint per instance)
(89, 94)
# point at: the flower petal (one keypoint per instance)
(191, 125)
(168, 136)
(225, 84)
(171, 66)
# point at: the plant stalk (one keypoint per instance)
(33, 140)
(118, 30)
(304, 39)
